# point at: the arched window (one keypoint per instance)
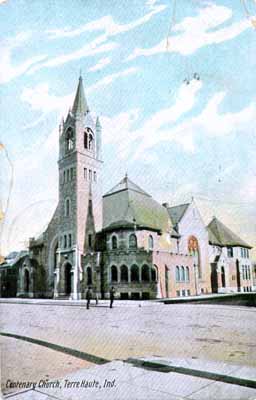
(187, 274)
(114, 242)
(67, 208)
(132, 241)
(114, 273)
(69, 139)
(182, 274)
(124, 273)
(150, 242)
(177, 274)
(193, 247)
(193, 250)
(135, 273)
(154, 274)
(88, 139)
(89, 276)
(56, 255)
(145, 276)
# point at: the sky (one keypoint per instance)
(173, 83)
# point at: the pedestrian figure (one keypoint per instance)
(88, 297)
(112, 296)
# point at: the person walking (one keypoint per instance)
(112, 296)
(88, 297)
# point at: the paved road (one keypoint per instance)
(210, 332)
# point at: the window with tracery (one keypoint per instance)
(88, 139)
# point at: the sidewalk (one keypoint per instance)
(149, 379)
(81, 303)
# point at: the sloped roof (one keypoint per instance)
(127, 205)
(221, 235)
(80, 104)
(125, 184)
(176, 213)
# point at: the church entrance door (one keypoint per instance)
(214, 278)
(26, 281)
(68, 279)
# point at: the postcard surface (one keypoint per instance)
(127, 199)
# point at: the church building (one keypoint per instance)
(124, 238)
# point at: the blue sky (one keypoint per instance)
(176, 140)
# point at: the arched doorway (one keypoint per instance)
(26, 281)
(214, 278)
(68, 279)
(223, 280)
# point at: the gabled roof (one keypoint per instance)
(129, 206)
(221, 235)
(80, 105)
(176, 213)
(126, 184)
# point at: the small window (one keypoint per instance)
(145, 276)
(187, 274)
(150, 242)
(71, 173)
(90, 174)
(90, 240)
(188, 292)
(182, 274)
(177, 293)
(132, 241)
(64, 177)
(65, 241)
(113, 273)
(177, 274)
(70, 240)
(68, 175)
(183, 292)
(85, 174)
(67, 208)
(124, 273)
(134, 273)
(230, 251)
(153, 274)
(95, 176)
(114, 242)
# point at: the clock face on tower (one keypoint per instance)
(88, 139)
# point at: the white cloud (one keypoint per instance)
(196, 32)
(98, 45)
(90, 49)
(107, 80)
(103, 62)
(8, 70)
(107, 24)
(40, 99)
(161, 127)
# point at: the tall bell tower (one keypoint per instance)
(80, 162)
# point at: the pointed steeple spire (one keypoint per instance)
(98, 124)
(80, 105)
